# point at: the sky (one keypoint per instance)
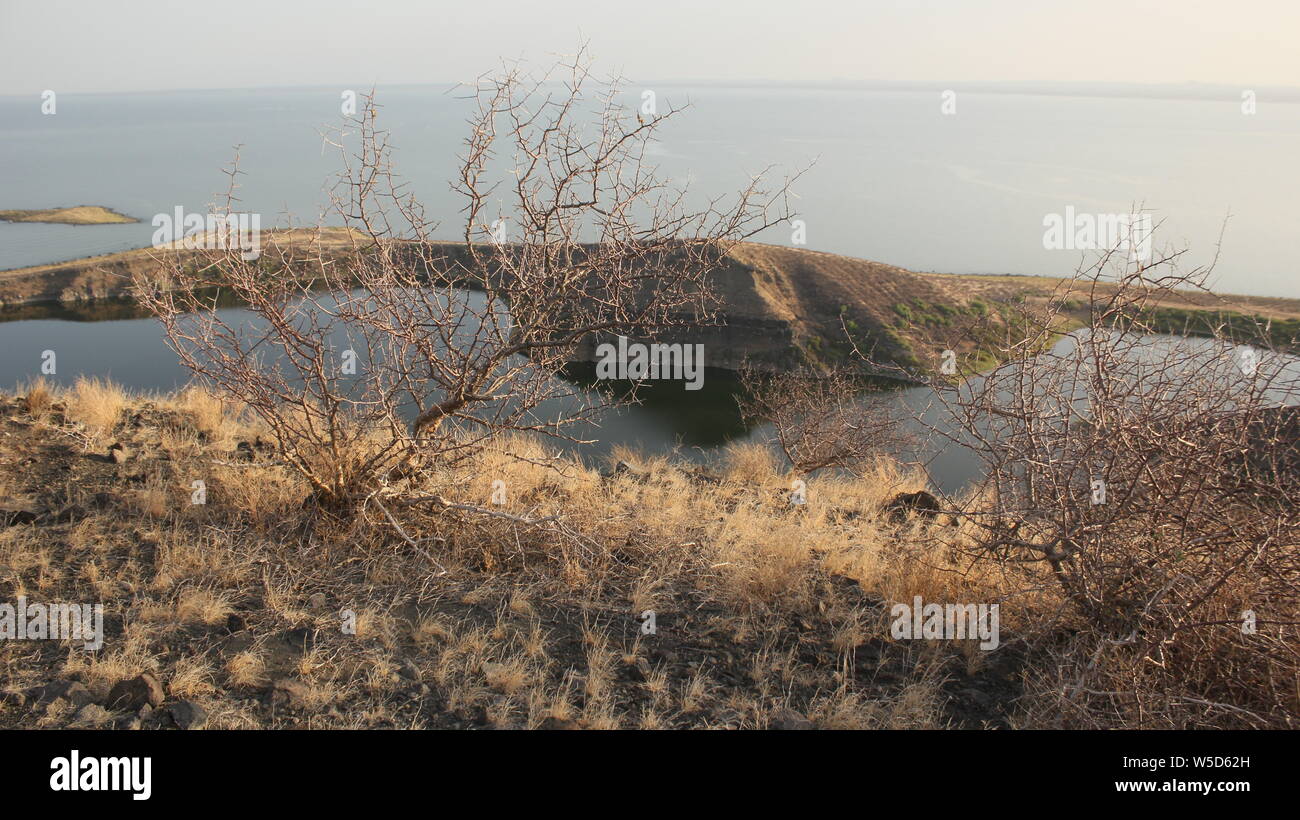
(147, 45)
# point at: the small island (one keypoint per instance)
(79, 215)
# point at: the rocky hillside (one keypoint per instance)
(781, 306)
(827, 304)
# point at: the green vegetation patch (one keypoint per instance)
(1229, 324)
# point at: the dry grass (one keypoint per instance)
(207, 420)
(97, 404)
(39, 397)
(763, 607)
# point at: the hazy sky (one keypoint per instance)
(136, 45)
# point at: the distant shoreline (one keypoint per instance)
(76, 215)
(1216, 92)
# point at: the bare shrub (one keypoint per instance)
(1154, 480)
(454, 343)
(821, 419)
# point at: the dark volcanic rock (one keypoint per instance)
(187, 714)
(920, 502)
(18, 512)
(130, 695)
(71, 691)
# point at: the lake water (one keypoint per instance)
(113, 342)
(131, 352)
(894, 179)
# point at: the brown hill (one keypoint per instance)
(781, 306)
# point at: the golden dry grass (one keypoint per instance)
(764, 607)
(39, 397)
(97, 404)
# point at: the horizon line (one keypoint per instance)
(1188, 89)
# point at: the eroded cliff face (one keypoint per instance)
(761, 344)
(753, 327)
(84, 280)
(782, 307)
